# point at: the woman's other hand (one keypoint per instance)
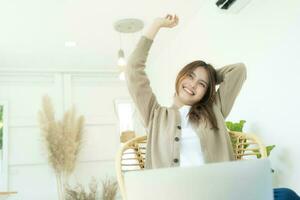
(169, 21)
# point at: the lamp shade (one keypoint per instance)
(121, 58)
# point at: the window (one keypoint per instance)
(3, 146)
(1, 130)
(125, 110)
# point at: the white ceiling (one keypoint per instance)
(33, 32)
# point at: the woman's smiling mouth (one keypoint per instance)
(188, 91)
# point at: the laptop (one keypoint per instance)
(237, 180)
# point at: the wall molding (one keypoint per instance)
(62, 69)
(32, 121)
(47, 164)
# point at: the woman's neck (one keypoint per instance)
(177, 102)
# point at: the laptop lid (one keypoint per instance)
(246, 179)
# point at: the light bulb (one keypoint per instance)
(122, 76)
(121, 62)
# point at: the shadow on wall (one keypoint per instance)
(284, 167)
(282, 162)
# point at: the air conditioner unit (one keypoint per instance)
(233, 6)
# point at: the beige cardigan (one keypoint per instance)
(163, 123)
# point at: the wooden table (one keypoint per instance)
(4, 195)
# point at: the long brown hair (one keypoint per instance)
(202, 110)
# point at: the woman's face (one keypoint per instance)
(193, 86)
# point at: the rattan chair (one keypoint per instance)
(247, 146)
(131, 155)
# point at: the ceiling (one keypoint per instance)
(34, 33)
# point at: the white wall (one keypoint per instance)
(93, 94)
(265, 36)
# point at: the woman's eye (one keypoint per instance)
(202, 84)
(190, 76)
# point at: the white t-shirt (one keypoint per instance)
(190, 149)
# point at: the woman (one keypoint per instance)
(192, 131)
(196, 96)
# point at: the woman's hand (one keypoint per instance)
(168, 21)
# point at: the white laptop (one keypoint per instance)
(238, 180)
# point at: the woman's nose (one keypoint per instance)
(193, 84)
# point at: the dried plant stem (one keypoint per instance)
(59, 187)
(63, 140)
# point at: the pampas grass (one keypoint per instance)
(79, 193)
(109, 191)
(63, 140)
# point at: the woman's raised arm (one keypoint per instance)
(231, 79)
(137, 80)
